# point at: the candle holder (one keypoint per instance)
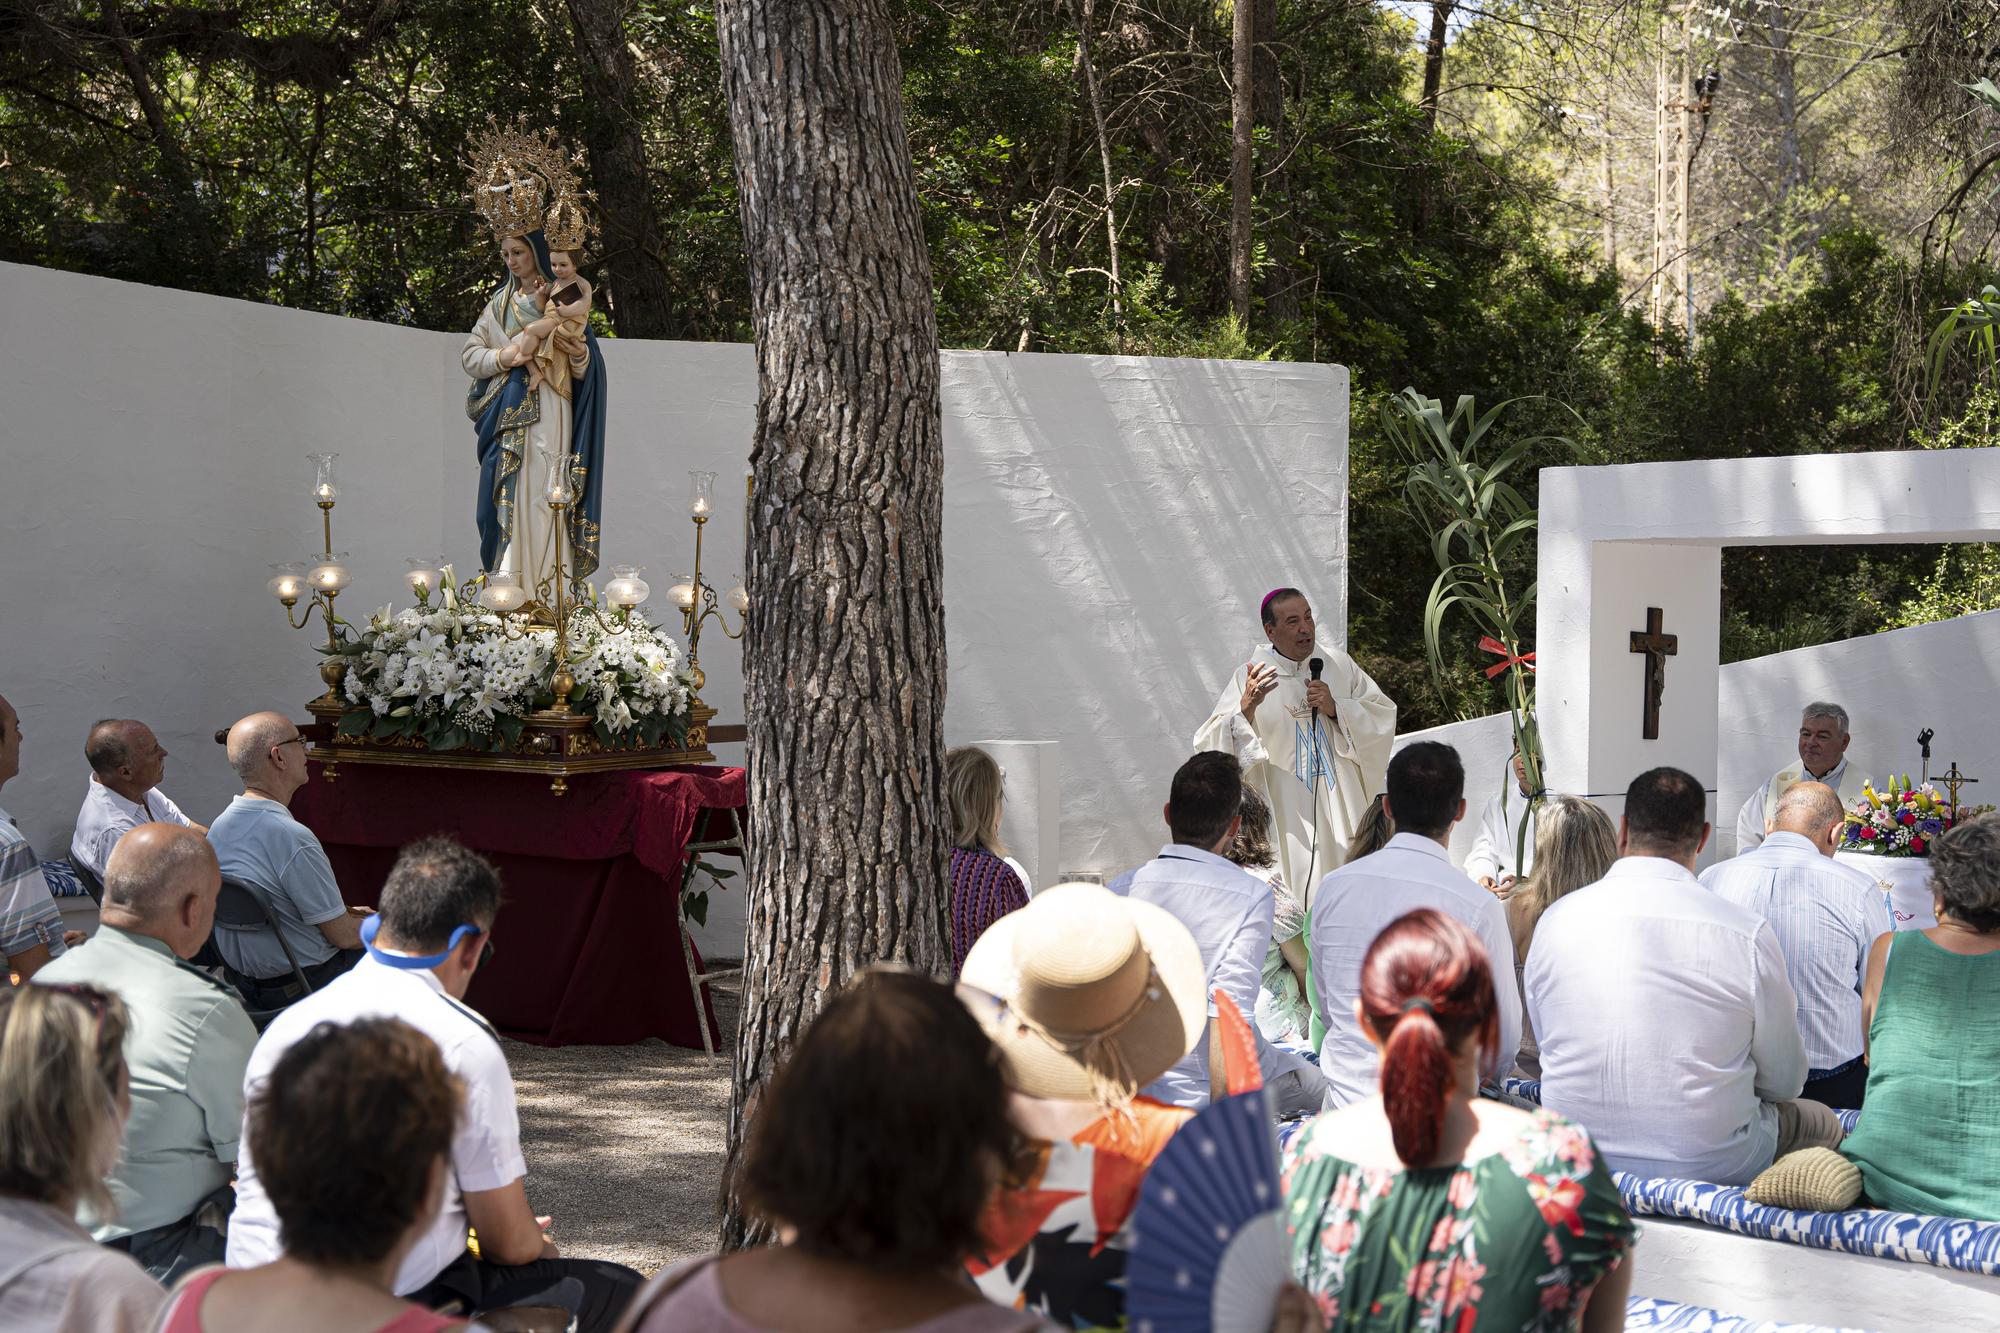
(693, 595)
(320, 579)
(502, 592)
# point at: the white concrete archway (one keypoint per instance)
(1618, 539)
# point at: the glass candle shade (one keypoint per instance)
(329, 572)
(682, 594)
(288, 581)
(739, 596)
(626, 589)
(503, 593)
(422, 575)
(324, 491)
(701, 494)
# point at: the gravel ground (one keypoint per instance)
(625, 1143)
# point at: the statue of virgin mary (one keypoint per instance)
(524, 430)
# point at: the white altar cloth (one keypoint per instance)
(1904, 880)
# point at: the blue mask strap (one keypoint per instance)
(423, 963)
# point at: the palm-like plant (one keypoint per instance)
(1460, 488)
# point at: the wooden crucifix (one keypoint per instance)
(1658, 648)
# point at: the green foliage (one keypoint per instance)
(1460, 489)
(305, 153)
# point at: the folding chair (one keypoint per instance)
(241, 907)
(696, 980)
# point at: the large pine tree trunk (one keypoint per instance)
(844, 663)
(638, 290)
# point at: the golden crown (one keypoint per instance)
(566, 226)
(513, 175)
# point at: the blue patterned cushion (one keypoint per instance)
(62, 879)
(1528, 1089)
(1673, 1317)
(1947, 1242)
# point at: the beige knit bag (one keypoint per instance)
(1813, 1180)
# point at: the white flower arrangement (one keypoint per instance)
(454, 675)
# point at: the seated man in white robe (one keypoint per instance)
(127, 762)
(1666, 1021)
(1314, 743)
(1822, 758)
(1825, 917)
(1508, 815)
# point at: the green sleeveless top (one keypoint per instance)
(1926, 1141)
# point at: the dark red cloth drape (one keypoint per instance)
(587, 946)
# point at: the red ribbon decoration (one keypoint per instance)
(1489, 644)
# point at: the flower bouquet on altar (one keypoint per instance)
(449, 674)
(1903, 821)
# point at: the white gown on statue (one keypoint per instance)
(1345, 765)
(530, 551)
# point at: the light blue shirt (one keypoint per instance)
(258, 842)
(1228, 910)
(1825, 917)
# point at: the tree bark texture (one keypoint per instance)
(1280, 285)
(844, 661)
(638, 289)
(1242, 154)
(1434, 60)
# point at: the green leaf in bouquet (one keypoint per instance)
(354, 722)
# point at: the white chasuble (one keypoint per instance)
(1317, 779)
(1846, 779)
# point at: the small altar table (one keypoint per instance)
(587, 945)
(1906, 880)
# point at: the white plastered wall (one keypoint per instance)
(1110, 524)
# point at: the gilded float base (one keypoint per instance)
(558, 744)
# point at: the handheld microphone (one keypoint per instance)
(1318, 664)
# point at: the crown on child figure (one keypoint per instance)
(513, 174)
(566, 227)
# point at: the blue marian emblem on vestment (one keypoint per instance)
(1311, 760)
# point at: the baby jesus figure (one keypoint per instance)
(535, 346)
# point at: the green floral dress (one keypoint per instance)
(1511, 1243)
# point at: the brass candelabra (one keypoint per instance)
(324, 575)
(556, 597)
(694, 596)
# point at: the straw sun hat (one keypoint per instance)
(1092, 996)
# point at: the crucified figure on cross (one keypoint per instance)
(1658, 648)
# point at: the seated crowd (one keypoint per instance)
(941, 1159)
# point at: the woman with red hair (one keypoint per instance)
(1426, 1207)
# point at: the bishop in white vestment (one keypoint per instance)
(1319, 752)
(1823, 758)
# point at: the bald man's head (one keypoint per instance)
(1808, 809)
(252, 740)
(153, 871)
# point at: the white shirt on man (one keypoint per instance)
(1762, 807)
(1668, 1028)
(485, 1152)
(106, 817)
(1228, 910)
(1825, 917)
(1353, 906)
